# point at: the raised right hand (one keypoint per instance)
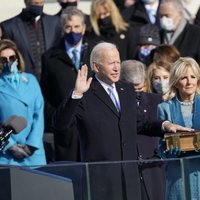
(82, 83)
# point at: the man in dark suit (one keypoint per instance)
(178, 31)
(34, 32)
(106, 124)
(197, 18)
(59, 73)
(152, 174)
(143, 12)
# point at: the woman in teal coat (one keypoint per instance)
(20, 94)
(183, 108)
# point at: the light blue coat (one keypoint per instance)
(26, 101)
(171, 110)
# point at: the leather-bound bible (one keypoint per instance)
(185, 141)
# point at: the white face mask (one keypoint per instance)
(167, 23)
(161, 87)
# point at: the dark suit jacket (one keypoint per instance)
(58, 70)
(137, 15)
(57, 80)
(147, 111)
(197, 18)
(15, 30)
(153, 179)
(106, 135)
(188, 42)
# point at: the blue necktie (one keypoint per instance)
(113, 97)
(152, 16)
(75, 58)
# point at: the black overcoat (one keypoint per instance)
(57, 80)
(106, 135)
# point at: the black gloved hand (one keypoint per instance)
(18, 152)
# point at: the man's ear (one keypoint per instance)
(95, 67)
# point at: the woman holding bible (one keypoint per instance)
(183, 108)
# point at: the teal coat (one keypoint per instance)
(171, 110)
(26, 101)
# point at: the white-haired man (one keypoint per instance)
(103, 109)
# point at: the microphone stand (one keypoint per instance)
(4, 139)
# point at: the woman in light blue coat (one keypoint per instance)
(20, 94)
(183, 108)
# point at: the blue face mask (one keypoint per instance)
(144, 53)
(35, 10)
(10, 67)
(73, 38)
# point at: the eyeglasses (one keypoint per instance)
(4, 60)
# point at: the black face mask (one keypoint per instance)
(67, 4)
(35, 10)
(105, 23)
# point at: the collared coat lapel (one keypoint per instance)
(177, 117)
(122, 98)
(175, 110)
(103, 96)
(196, 117)
(60, 53)
(20, 94)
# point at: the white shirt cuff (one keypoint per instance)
(74, 96)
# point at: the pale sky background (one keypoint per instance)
(10, 8)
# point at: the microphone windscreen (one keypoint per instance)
(16, 123)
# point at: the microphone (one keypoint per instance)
(12, 125)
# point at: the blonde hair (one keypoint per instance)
(117, 20)
(177, 71)
(150, 72)
(8, 44)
